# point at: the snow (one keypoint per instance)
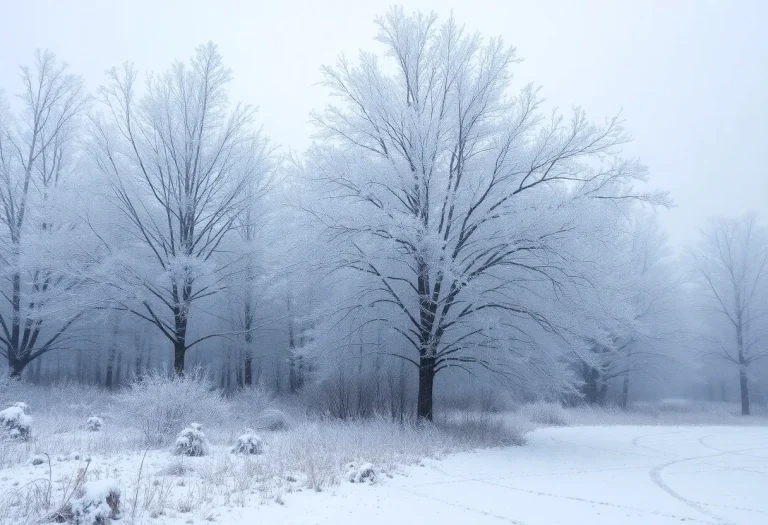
(595, 475)
(94, 423)
(15, 422)
(361, 473)
(248, 443)
(191, 441)
(93, 506)
(601, 475)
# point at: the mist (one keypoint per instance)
(297, 214)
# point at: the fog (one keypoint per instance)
(687, 76)
(291, 271)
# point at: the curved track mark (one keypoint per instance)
(655, 475)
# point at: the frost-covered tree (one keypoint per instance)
(180, 161)
(468, 212)
(646, 326)
(731, 267)
(249, 245)
(41, 269)
(655, 336)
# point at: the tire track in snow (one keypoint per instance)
(463, 507)
(658, 480)
(707, 445)
(525, 476)
(731, 507)
(621, 452)
(666, 453)
(735, 453)
(609, 504)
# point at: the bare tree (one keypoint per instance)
(180, 162)
(731, 266)
(249, 228)
(460, 204)
(35, 159)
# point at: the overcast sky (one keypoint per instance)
(690, 77)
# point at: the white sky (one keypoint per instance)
(691, 77)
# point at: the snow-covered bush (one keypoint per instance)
(94, 423)
(15, 422)
(249, 443)
(360, 473)
(98, 503)
(191, 441)
(160, 405)
(542, 413)
(272, 419)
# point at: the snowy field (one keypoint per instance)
(596, 475)
(609, 475)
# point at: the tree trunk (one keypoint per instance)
(182, 304)
(38, 370)
(625, 391)
(426, 387)
(16, 366)
(138, 370)
(179, 349)
(292, 382)
(744, 392)
(248, 363)
(248, 369)
(744, 387)
(15, 361)
(118, 369)
(108, 380)
(110, 365)
(292, 379)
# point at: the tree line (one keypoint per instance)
(442, 222)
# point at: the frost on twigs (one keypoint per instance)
(191, 441)
(15, 422)
(361, 473)
(94, 423)
(98, 503)
(248, 443)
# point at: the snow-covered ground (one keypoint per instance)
(598, 475)
(595, 475)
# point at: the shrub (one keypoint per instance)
(23, 406)
(361, 474)
(160, 405)
(98, 503)
(272, 419)
(15, 422)
(94, 423)
(248, 443)
(191, 442)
